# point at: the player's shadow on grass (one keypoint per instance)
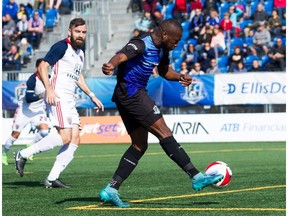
(79, 199)
(24, 184)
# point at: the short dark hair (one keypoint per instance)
(77, 22)
(38, 61)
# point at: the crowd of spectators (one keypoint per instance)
(23, 26)
(219, 36)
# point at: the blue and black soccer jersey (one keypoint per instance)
(143, 57)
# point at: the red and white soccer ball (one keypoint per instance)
(219, 167)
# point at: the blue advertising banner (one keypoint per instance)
(204, 90)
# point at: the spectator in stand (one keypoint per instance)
(11, 60)
(210, 5)
(135, 5)
(21, 12)
(212, 20)
(235, 14)
(261, 40)
(235, 58)
(24, 50)
(206, 54)
(145, 22)
(197, 24)
(22, 27)
(218, 42)
(197, 70)
(35, 30)
(255, 66)
(204, 37)
(248, 40)
(226, 26)
(280, 6)
(274, 23)
(191, 56)
(184, 68)
(11, 8)
(8, 30)
(283, 26)
(259, 16)
(41, 5)
(278, 55)
(180, 12)
(149, 5)
(195, 5)
(240, 68)
(213, 69)
(55, 4)
(157, 17)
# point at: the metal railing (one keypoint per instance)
(97, 16)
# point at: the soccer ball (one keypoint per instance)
(219, 167)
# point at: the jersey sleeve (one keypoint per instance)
(56, 52)
(133, 48)
(30, 91)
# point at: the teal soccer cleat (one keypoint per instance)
(109, 194)
(201, 180)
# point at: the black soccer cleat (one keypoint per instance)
(55, 184)
(19, 163)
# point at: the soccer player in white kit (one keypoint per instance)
(31, 109)
(66, 58)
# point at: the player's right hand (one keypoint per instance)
(108, 69)
(51, 97)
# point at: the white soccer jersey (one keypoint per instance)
(31, 108)
(66, 64)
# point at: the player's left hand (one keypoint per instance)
(185, 80)
(98, 103)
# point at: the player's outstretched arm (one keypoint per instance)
(109, 67)
(184, 79)
(84, 87)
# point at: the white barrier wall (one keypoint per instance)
(227, 127)
(201, 128)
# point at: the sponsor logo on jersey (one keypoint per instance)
(133, 45)
(156, 110)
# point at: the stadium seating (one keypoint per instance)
(51, 16)
(264, 60)
(177, 53)
(192, 41)
(235, 42)
(177, 64)
(169, 11)
(248, 61)
(223, 61)
(224, 7)
(244, 23)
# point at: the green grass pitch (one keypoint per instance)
(156, 187)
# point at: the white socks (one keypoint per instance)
(64, 157)
(8, 144)
(45, 144)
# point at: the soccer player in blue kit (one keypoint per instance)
(135, 62)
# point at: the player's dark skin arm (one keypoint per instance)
(109, 67)
(168, 73)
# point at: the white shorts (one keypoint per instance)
(24, 116)
(64, 114)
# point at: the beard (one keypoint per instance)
(77, 42)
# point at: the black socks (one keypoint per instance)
(178, 155)
(127, 164)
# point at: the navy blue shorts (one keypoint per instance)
(136, 111)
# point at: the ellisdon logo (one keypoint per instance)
(194, 92)
(106, 130)
(255, 88)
